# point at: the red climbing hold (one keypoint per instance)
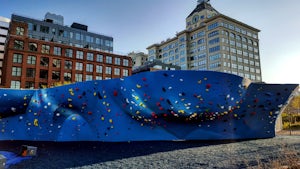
(208, 86)
(115, 93)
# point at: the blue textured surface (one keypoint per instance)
(12, 158)
(162, 105)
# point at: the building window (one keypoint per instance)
(29, 85)
(67, 76)
(99, 58)
(97, 41)
(45, 49)
(16, 71)
(69, 53)
(79, 66)
(125, 72)
(79, 54)
(57, 51)
(32, 27)
(65, 34)
(71, 35)
(98, 77)
(31, 60)
(214, 65)
(43, 85)
(88, 77)
(17, 58)
(56, 63)
(15, 84)
(18, 44)
(88, 39)
(44, 29)
(20, 31)
(213, 26)
(99, 69)
(90, 56)
(44, 61)
(89, 67)
(116, 71)
(117, 61)
(68, 65)
(214, 49)
(108, 70)
(30, 72)
(214, 41)
(43, 74)
(214, 57)
(125, 62)
(244, 39)
(55, 75)
(77, 36)
(201, 41)
(53, 31)
(78, 77)
(32, 46)
(108, 59)
(214, 33)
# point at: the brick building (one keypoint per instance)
(36, 63)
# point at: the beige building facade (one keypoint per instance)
(4, 25)
(212, 41)
(138, 58)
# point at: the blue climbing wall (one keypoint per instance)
(162, 105)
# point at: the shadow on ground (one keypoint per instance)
(76, 154)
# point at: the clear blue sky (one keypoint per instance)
(137, 24)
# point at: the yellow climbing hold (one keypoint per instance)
(181, 111)
(102, 118)
(110, 120)
(36, 122)
(138, 86)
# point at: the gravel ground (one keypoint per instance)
(163, 155)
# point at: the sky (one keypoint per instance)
(137, 24)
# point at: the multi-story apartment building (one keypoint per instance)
(4, 24)
(212, 41)
(44, 53)
(138, 58)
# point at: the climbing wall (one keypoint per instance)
(162, 105)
